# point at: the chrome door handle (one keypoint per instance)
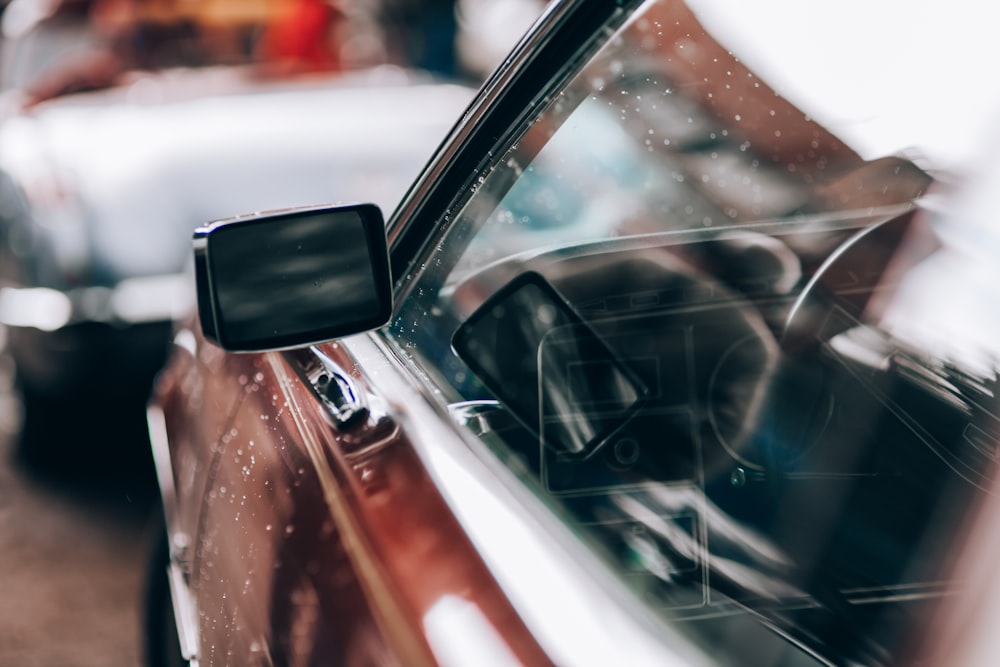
(337, 391)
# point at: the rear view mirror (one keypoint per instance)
(293, 277)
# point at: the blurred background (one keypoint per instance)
(117, 118)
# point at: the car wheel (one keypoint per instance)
(161, 644)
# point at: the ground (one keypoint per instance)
(73, 553)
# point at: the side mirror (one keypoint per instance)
(293, 277)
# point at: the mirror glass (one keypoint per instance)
(297, 277)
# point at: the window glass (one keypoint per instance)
(703, 328)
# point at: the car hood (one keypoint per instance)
(117, 180)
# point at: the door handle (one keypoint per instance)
(338, 391)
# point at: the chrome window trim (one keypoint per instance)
(484, 128)
(461, 133)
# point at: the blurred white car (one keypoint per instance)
(100, 191)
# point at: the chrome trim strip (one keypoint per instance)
(183, 604)
(185, 613)
(460, 135)
(159, 443)
(493, 120)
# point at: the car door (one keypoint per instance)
(270, 570)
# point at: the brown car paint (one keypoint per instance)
(307, 543)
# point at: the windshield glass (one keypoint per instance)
(748, 357)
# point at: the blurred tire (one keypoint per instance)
(97, 440)
(41, 418)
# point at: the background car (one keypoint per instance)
(653, 367)
(102, 189)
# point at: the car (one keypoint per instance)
(101, 190)
(668, 357)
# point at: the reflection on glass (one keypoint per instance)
(546, 364)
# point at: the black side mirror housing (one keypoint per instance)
(294, 277)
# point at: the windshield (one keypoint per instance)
(749, 360)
